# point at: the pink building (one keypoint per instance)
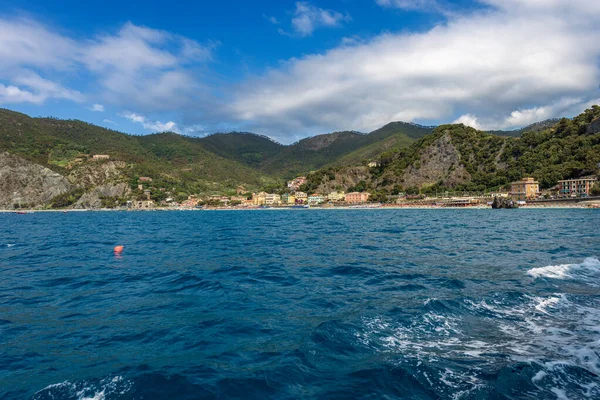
(295, 183)
(356, 197)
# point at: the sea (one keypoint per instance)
(301, 304)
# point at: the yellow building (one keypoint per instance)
(287, 198)
(301, 197)
(259, 199)
(336, 196)
(272, 199)
(527, 188)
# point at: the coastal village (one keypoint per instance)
(525, 192)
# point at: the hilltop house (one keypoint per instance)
(97, 157)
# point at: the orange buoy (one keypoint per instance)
(118, 249)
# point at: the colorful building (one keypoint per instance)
(259, 199)
(336, 197)
(576, 187)
(295, 183)
(316, 198)
(357, 197)
(272, 199)
(288, 198)
(527, 188)
(301, 197)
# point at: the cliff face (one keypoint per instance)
(344, 178)
(97, 173)
(93, 198)
(28, 183)
(440, 161)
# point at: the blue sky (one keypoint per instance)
(292, 69)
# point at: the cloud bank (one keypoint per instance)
(507, 64)
(501, 67)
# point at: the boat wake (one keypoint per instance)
(543, 346)
(590, 267)
(107, 388)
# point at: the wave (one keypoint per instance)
(589, 267)
(551, 341)
(109, 387)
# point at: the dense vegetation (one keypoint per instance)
(548, 151)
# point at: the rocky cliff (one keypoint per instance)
(27, 183)
(441, 161)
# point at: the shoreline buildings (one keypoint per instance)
(576, 187)
(525, 189)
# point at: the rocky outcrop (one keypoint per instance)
(97, 173)
(594, 127)
(344, 179)
(28, 183)
(504, 202)
(438, 162)
(93, 198)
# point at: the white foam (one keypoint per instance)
(560, 393)
(85, 390)
(567, 271)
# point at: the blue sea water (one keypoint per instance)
(304, 304)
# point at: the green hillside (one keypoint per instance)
(247, 148)
(172, 160)
(457, 157)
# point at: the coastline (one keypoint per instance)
(389, 207)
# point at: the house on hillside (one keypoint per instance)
(98, 157)
(295, 183)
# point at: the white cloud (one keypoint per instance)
(97, 108)
(307, 18)
(154, 126)
(37, 91)
(469, 120)
(136, 66)
(487, 64)
(108, 121)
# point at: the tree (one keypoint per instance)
(595, 191)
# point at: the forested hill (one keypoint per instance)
(337, 148)
(171, 160)
(231, 158)
(457, 157)
(412, 157)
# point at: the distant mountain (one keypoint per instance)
(247, 148)
(535, 127)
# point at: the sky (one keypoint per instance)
(292, 69)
